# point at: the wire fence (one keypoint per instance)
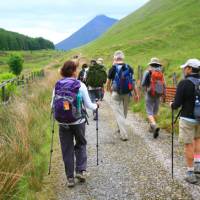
(19, 81)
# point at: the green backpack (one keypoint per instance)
(96, 76)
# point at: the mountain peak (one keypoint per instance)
(91, 31)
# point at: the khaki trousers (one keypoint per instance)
(120, 108)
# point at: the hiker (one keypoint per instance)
(188, 98)
(121, 83)
(96, 78)
(68, 96)
(154, 84)
(83, 73)
(102, 92)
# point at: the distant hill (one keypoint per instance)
(15, 41)
(91, 31)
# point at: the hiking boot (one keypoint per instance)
(95, 118)
(155, 131)
(190, 177)
(124, 138)
(81, 176)
(197, 169)
(70, 182)
(150, 129)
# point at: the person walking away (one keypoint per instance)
(188, 98)
(83, 73)
(154, 84)
(102, 92)
(96, 78)
(68, 96)
(121, 84)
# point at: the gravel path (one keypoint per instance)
(139, 169)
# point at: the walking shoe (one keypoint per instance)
(70, 182)
(124, 138)
(95, 118)
(81, 176)
(197, 169)
(155, 131)
(190, 177)
(150, 129)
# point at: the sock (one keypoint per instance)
(152, 124)
(197, 158)
(190, 169)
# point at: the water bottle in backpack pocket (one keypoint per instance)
(196, 82)
(123, 81)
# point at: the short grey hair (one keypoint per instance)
(119, 55)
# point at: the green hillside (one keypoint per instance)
(168, 29)
(15, 41)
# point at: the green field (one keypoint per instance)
(32, 59)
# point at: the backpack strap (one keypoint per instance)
(196, 82)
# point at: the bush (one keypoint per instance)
(15, 63)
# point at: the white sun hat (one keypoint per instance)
(154, 61)
(194, 63)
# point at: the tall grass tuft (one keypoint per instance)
(24, 141)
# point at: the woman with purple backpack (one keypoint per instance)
(68, 97)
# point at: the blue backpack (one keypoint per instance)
(123, 81)
(196, 82)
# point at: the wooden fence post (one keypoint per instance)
(174, 79)
(3, 93)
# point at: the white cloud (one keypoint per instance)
(56, 20)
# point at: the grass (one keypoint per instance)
(32, 59)
(24, 141)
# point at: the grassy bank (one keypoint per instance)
(24, 141)
(32, 59)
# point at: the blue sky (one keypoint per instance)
(57, 19)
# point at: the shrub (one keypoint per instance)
(15, 63)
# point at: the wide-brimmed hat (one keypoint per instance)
(194, 63)
(155, 61)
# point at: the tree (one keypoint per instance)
(15, 63)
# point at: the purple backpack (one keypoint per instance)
(66, 102)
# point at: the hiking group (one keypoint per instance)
(75, 92)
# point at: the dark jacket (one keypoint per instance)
(185, 97)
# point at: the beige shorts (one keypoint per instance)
(188, 131)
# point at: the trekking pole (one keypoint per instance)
(97, 132)
(52, 137)
(172, 143)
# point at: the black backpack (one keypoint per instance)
(196, 82)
